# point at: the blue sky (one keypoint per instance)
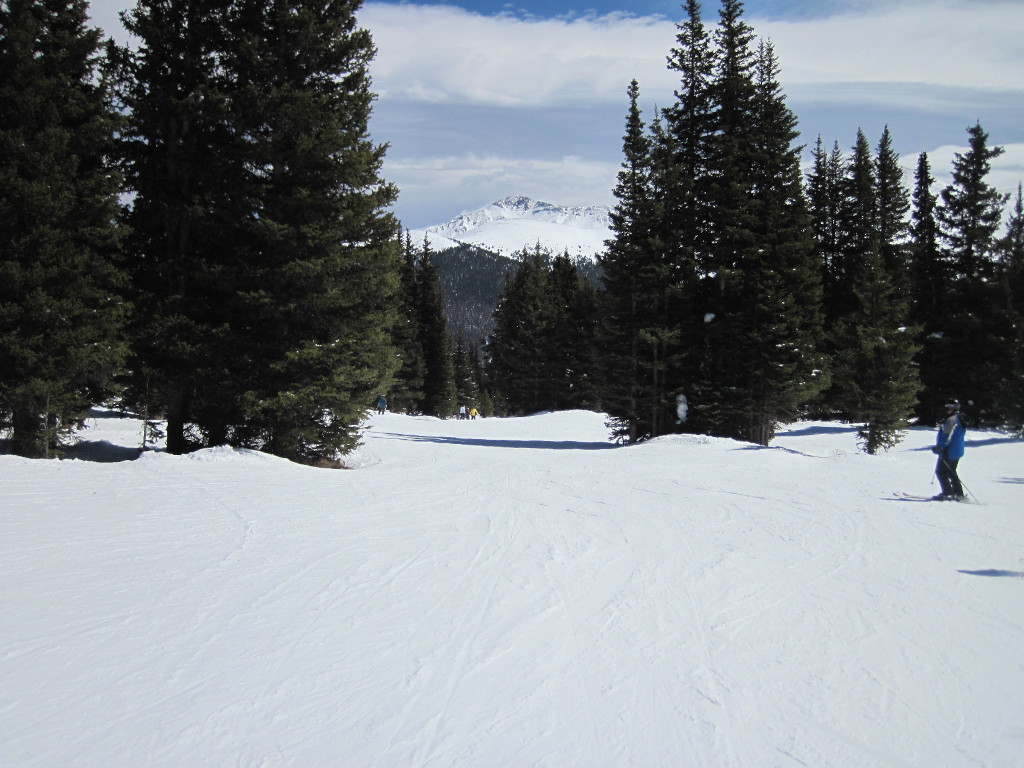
(480, 100)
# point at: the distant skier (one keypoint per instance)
(382, 404)
(949, 446)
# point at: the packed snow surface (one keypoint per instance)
(513, 592)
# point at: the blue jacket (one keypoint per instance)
(950, 440)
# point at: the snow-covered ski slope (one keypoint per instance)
(512, 593)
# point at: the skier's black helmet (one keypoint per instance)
(953, 404)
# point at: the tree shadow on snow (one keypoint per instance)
(995, 573)
(99, 451)
(550, 445)
(819, 429)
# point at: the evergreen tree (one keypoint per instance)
(826, 193)
(776, 320)
(61, 320)
(320, 250)
(572, 339)
(467, 385)
(927, 267)
(263, 240)
(439, 392)
(971, 210)
(178, 151)
(519, 350)
(876, 383)
(632, 378)
(683, 155)
(893, 203)
(722, 371)
(406, 337)
(969, 357)
(1010, 392)
(859, 228)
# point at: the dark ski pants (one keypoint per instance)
(945, 470)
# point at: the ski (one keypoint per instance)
(900, 496)
(911, 497)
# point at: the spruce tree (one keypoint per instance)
(467, 385)
(971, 210)
(439, 392)
(406, 337)
(927, 267)
(178, 153)
(61, 315)
(876, 383)
(572, 338)
(320, 248)
(682, 180)
(826, 193)
(722, 371)
(263, 244)
(974, 330)
(778, 281)
(1010, 391)
(893, 201)
(519, 349)
(630, 374)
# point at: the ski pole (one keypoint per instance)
(953, 470)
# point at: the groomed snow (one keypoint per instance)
(512, 593)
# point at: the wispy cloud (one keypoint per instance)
(477, 107)
(446, 54)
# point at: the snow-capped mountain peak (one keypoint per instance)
(519, 222)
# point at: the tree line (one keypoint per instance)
(739, 293)
(199, 227)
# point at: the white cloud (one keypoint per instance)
(469, 102)
(950, 44)
(446, 54)
(1007, 170)
(467, 182)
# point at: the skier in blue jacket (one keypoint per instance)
(949, 446)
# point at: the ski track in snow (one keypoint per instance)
(512, 593)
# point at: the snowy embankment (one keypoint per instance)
(512, 593)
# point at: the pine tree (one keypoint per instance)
(722, 372)
(876, 383)
(519, 350)
(572, 338)
(467, 385)
(893, 203)
(969, 354)
(777, 282)
(263, 241)
(406, 337)
(178, 159)
(61, 317)
(1009, 393)
(323, 240)
(971, 210)
(927, 267)
(826, 193)
(439, 392)
(630, 377)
